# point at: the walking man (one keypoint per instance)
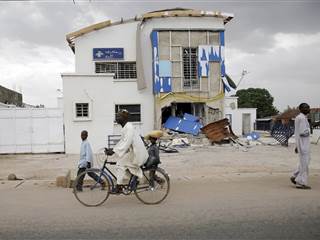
(302, 133)
(86, 161)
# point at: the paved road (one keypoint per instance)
(240, 208)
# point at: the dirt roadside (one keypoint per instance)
(224, 162)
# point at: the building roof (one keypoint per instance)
(175, 12)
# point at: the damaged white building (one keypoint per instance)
(161, 64)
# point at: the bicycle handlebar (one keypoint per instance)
(110, 163)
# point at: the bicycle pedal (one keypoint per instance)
(115, 192)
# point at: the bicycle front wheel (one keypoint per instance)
(91, 188)
(154, 187)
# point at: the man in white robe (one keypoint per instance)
(302, 133)
(130, 150)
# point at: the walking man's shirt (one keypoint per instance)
(302, 133)
(85, 154)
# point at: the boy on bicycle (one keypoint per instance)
(154, 158)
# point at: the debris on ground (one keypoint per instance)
(315, 138)
(13, 177)
(218, 131)
(188, 124)
(180, 142)
(253, 136)
(19, 184)
(167, 148)
(64, 180)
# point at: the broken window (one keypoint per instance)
(166, 112)
(122, 70)
(133, 109)
(82, 110)
(190, 66)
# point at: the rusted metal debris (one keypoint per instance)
(218, 131)
(287, 115)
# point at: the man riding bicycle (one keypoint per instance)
(130, 151)
(133, 162)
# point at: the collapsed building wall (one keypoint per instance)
(178, 52)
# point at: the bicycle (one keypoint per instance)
(153, 188)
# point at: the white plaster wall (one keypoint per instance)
(237, 118)
(103, 92)
(117, 36)
(60, 102)
(229, 102)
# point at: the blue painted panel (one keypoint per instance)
(190, 117)
(173, 123)
(207, 53)
(180, 125)
(107, 53)
(223, 69)
(156, 83)
(190, 127)
(226, 85)
(199, 69)
(165, 84)
(165, 68)
(203, 56)
(222, 65)
(214, 54)
(222, 38)
(155, 58)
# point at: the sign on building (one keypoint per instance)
(108, 54)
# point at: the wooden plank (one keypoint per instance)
(181, 13)
(85, 30)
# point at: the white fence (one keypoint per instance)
(31, 130)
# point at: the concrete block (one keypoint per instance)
(61, 181)
(64, 180)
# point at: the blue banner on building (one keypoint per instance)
(108, 54)
(162, 80)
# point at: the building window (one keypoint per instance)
(82, 110)
(190, 65)
(133, 109)
(121, 70)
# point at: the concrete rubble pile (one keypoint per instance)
(187, 131)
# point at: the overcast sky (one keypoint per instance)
(277, 42)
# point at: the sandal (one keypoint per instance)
(302, 186)
(293, 180)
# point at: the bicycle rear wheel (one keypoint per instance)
(153, 190)
(94, 190)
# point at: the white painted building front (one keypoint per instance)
(242, 120)
(144, 65)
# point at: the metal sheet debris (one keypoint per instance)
(185, 126)
(218, 131)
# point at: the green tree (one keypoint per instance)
(259, 98)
